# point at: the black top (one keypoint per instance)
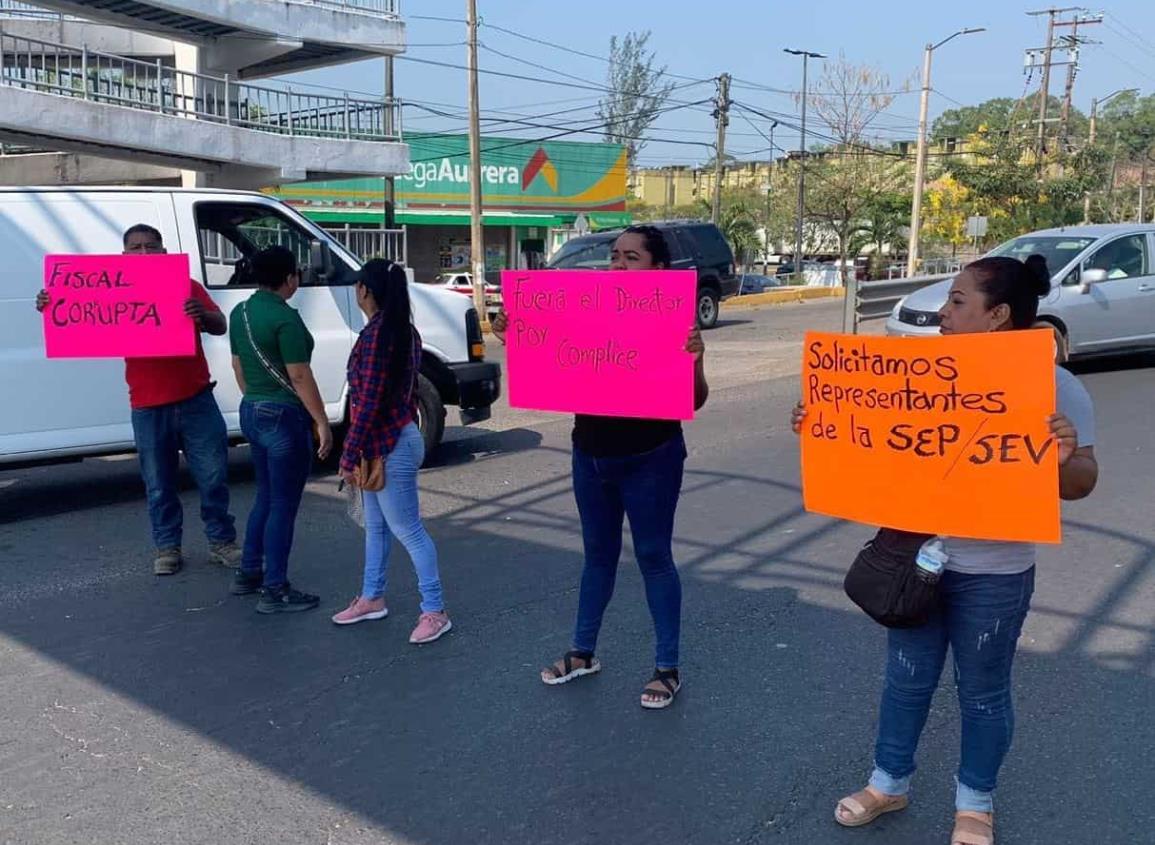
(619, 437)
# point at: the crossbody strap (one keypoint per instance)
(277, 375)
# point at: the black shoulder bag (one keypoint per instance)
(884, 580)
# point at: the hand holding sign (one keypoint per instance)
(934, 435)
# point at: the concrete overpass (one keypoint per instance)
(241, 135)
(245, 39)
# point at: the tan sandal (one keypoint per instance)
(973, 829)
(864, 807)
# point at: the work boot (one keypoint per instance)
(225, 554)
(167, 562)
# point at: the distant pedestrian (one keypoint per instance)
(984, 593)
(174, 411)
(281, 407)
(384, 449)
(630, 468)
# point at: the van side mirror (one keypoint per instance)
(1094, 276)
(320, 260)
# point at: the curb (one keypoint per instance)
(774, 297)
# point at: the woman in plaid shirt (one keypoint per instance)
(383, 370)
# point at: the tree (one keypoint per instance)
(637, 93)
(852, 175)
(948, 205)
(883, 226)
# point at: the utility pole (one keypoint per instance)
(1048, 62)
(476, 234)
(389, 219)
(920, 158)
(1091, 136)
(806, 57)
(1073, 41)
(1147, 159)
(1045, 86)
(722, 118)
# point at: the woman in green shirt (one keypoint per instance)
(281, 407)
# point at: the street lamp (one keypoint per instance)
(1095, 103)
(920, 162)
(1102, 101)
(806, 57)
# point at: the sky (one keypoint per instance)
(744, 38)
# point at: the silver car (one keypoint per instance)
(1102, 292)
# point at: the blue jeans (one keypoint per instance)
(196, 427)
(395, 512)
(645, 488)
(980, 618)
(281, 440)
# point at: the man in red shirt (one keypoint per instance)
(173, 411)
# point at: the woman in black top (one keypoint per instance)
(629, 467)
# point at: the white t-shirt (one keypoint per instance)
(987, 557)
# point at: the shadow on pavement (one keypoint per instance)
(458, 742)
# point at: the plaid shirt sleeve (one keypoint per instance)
(375, 425)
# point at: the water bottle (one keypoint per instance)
(931, 560)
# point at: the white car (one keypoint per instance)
(1102, 296)
(462, 283)
(63, 409)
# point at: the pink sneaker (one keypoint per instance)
(430, 626)
(362, 610)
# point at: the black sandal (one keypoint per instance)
(670, 679)
(571, 670)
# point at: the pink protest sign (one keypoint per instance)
(610, 343)
(117, 306)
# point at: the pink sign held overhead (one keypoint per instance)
(117, 306)
(609, 343)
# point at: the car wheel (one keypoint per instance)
(430, 415)
(707, 308)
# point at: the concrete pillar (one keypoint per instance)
(187, 58)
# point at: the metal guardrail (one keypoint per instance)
(51, 68)
(384, 8)
(373, 243)
(389, 8)
(26, 11)
(877, 299)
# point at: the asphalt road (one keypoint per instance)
(141, 710)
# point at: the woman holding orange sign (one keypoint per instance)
(983, 594)
(629, 468)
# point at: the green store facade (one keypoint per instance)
(532, 194)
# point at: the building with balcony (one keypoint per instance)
(114, 91)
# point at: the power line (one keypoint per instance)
(593, 129)
(564, 133)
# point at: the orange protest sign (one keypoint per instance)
(944, 435)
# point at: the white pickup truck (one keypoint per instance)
(58, 409)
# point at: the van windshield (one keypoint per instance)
(1059, 251)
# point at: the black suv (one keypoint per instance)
(693, 246)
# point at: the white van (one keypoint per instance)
(58, 409)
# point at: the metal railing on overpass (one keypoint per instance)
(877, 299)
(382, 8)
(26, 11)
(58, 69)
(387, 8)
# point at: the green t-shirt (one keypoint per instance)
(280, 333)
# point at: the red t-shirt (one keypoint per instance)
(162, 381)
